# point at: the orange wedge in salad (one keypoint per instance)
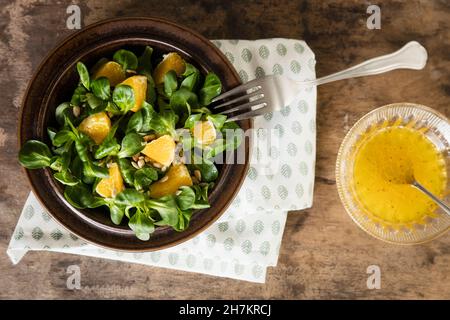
(96, 126)
(139, 86)
(177, 176)
(161, 150)
(111, 186)
(111, 70)
(172, 61)
(204, 132)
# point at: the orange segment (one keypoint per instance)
(172, 61)
(96, 126)
(111, 186)
(139, 86)
(111, 70)
(204, 132)
(177, 176)
(161, 150)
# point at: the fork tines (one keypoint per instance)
(242, 102)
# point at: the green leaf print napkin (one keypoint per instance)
(247, 238)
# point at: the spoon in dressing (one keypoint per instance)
(409, 179)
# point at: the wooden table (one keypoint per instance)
(324, 254)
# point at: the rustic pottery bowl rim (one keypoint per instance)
(236, 181)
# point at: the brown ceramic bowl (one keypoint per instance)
(55, 80)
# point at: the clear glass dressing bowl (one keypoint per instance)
(438, 133)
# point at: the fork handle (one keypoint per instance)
(411, 56)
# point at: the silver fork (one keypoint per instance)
(271, 93)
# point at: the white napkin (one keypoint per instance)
(247, 238)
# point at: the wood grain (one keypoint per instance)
(324, 254)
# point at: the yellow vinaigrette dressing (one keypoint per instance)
(387, 158)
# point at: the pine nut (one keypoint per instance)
(164, 179)
(141, 163)
(178, 193)
(147, 159)
(149, 137)
(181, 131)
(178, 147)
(76, 111)
(157, 165)
(134, 164)
(136, 157)
(164, 168)
(198, 175)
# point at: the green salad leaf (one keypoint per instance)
(186, 198)
(123, 97)
(170, 83)
(192, 120)
(109, 146)
(80, 196)
(84, 75)
(78, 96)
(167, 209)
(51, 132)
(116, 213)
(142, 225)
(192, 77)
(101, 88)
(163, 122)
(63, 136)
(211, 89)
(144, 177)
(93, 102)
(208, 170)
(66, 178)
(132, 144)
(129, 197)
(145, 62)
(126, 59)
(35, 154)
(63, 113)
(127, 170)
(217, 119)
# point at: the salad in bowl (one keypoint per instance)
(139, 139)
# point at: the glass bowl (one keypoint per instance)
(438, 133)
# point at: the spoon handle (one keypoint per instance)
(440, 203)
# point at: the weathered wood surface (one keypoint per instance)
(324, 254)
